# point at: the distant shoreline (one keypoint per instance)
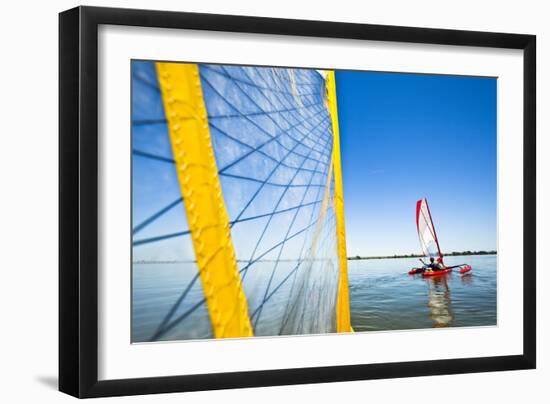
(356, 258)
(452, 254)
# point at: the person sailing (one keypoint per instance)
(435, 266)
(432, 266)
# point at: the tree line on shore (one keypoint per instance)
(452, 254)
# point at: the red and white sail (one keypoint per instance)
(426, 230)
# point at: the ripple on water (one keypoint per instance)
(384, 297)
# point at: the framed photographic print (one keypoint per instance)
(250, 201)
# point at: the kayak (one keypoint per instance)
(463, 269)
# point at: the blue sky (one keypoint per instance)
(403, 137)
(408, 136)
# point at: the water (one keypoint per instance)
(161, 296)
(384, 297)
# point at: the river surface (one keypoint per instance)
(382, 297)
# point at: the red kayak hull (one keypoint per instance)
(437, 273)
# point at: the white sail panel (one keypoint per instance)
(426, 230)
(272, 139)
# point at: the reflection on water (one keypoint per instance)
(467, 279)
(439, 301)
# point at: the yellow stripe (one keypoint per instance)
(204, 205)
(343, 322)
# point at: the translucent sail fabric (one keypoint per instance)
(426, 230)
(271, 137)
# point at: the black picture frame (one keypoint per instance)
(78, 201)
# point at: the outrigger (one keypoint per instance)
(430, 245)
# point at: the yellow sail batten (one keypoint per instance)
(343, 321)
(205, 209)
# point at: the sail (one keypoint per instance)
(426, 230)
(237, 198)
